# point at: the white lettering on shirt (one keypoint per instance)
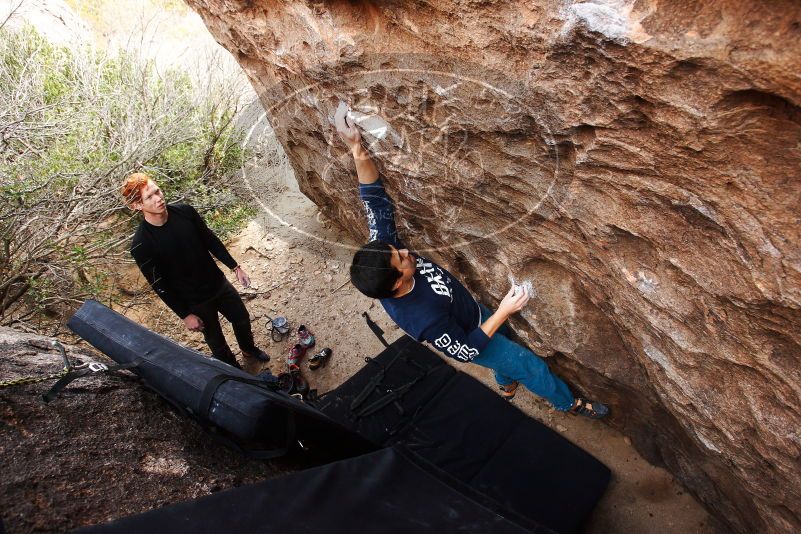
(434, 277)
(455, 348)
(371, 222)
(443, 341)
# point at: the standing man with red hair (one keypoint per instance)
(173, 248)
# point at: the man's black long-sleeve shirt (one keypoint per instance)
(175, 259)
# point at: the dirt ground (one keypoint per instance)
(298, 263)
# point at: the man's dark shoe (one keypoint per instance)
(259, 355)
(228, 357)
(590, 409)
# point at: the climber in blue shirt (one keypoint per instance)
(430, 304)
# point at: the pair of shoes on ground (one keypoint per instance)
(581, 406)
(297, 352)
(319, 359)
(306, 341)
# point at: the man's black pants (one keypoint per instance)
(227, 302)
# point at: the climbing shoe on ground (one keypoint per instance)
(296, 353)
(305, 337)
(301, 386)
(509, 390)
(286, 383)
(259, 355)
(588, 408)
(292, 382)
(268, 378)
(319, 359)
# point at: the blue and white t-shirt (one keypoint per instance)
(438, 309)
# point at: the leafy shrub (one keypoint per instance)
(73, 123)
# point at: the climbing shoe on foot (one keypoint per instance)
(590, 409)
(509, 390)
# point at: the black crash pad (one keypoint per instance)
(385, 491)
(401, 364)
(470, 432)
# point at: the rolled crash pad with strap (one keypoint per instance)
(241, 410)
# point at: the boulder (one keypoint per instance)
(635, 161)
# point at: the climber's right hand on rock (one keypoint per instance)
(347, 130)
(193, 323)
(514, 300)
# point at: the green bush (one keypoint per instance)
(74, 123)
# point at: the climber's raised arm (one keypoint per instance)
(365, 168)
(378, 208)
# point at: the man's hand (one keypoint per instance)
(515, 299)
(242, 276)
(346, 128)
(513, 302)
(193, 323)
(350, 134)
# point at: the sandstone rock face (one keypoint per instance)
(636, 161)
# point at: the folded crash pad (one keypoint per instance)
(464, 428)
(386, 491)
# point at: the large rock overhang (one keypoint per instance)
(636, 162)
